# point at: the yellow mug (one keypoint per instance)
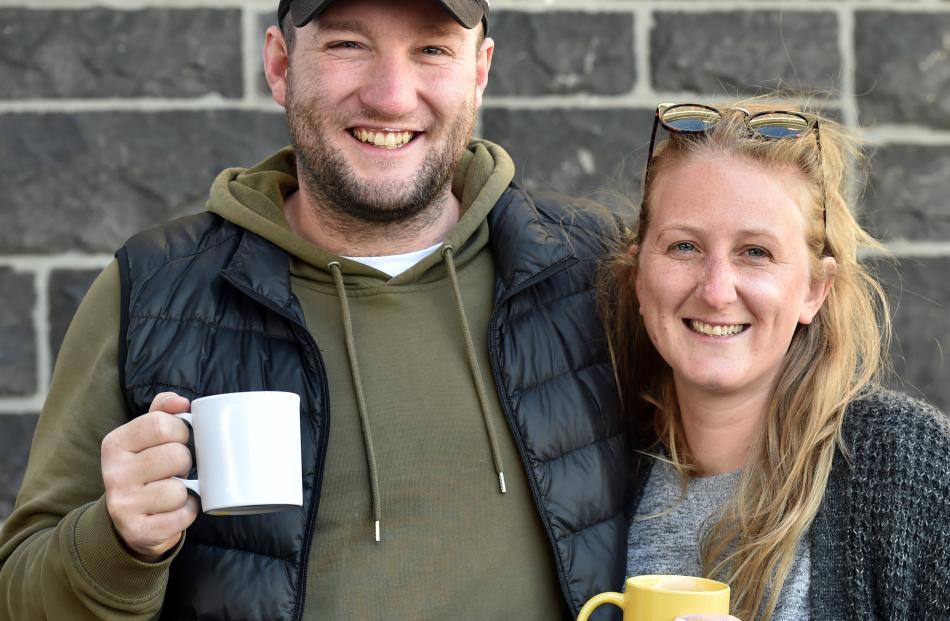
(663, 598)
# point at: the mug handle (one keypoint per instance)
(191, 484)
(597, 601)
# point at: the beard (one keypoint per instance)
(332, 182)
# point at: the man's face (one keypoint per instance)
(381, 102)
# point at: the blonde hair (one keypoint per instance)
(828, 363)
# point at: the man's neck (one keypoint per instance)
(344, 235)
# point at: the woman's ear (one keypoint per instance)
(818, 290)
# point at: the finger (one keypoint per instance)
(162, 496)
(146, 431)
(169, 402)
(158, 463)
(169, 524)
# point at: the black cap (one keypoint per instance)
(469, 13)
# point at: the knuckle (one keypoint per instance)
(181, 457)
(158, 399)
(111, 443)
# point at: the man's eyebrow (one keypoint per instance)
(341, 25)
(357, 27)
(442, 31)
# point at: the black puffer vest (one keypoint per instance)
(207, 308)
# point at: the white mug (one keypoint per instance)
(247, 446)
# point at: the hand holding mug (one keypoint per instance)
(149, 509)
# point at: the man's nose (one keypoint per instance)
(718, 287)
(390, 87)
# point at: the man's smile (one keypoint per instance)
(383, 138)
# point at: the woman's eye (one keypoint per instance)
(683, 247)
(757, 253)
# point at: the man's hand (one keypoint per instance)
(149, 509)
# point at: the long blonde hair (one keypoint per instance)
(828, 363)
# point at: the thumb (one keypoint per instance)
(169, 402)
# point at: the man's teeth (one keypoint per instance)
(384, 139)
(709, 330)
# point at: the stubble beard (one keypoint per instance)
(332, 184)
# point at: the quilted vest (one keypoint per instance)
(207, 308)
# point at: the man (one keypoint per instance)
(463, 450)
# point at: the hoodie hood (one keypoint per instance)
(253, 199)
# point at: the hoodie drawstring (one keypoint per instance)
(448, 254)
(336, 269)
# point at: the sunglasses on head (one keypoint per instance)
(693, 119)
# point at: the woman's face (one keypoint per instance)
(723, 275)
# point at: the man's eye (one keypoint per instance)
(433, 51)
(345, 45)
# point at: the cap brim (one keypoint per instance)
(466, 12)
(303, 11)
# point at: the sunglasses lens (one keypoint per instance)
(689, 119)
(779, 124)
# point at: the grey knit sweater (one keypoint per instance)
(880, 544)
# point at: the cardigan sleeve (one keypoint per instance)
(896, 540)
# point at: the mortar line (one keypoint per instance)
(249, 73)
(65, 261)
(849, 103)
(642, 25)
(587, 6)
(41, 330)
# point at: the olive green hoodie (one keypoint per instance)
(420, 458)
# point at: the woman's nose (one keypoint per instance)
(718, 287)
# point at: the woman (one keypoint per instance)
(748, 340)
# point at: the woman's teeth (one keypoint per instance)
(710, 330)
(383, 139)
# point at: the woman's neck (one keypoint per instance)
(720, 429)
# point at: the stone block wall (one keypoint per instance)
(115, 117)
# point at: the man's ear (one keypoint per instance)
(276, 64)
(818, 290)
(482, 68)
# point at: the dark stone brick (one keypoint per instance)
(562, 53)
(745, 51)
(902, 72)
(577, 152)
(16, 434)
(908, 194)
(87, 181)
(920, 296)
(100, 52)
(66, 290)
(18, 350)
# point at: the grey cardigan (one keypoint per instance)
(880, 543)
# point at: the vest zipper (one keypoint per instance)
(312, 357)
(494, 352)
